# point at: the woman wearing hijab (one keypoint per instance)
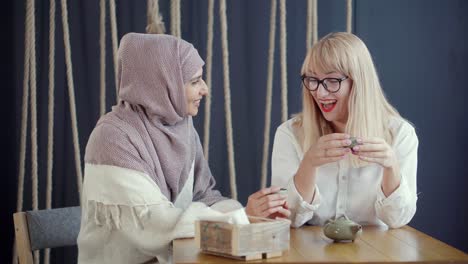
(349, 152)
(146, 180)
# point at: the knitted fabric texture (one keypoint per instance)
(149, 129)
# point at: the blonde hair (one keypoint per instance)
(368, 109)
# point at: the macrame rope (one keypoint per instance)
(50, 128)
(227, 99)
(102, 56)
(173, 7)
(24, 111)
(179, 20)
(33, 101)
(175, 18)
(24, 118)
(349, 16)
(113, 19)
(309, 24)
(71, 93)
(209, 65)
(284, 68)
(269, 93)
(155, 24)
(314, 22)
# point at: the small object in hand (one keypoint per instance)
(342, 229)
(354, 142)
(283, 191)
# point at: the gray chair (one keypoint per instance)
(45, 229)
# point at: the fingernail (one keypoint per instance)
(359, 140)
(356, 148)
(348, 142)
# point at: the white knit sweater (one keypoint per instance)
(126, 218)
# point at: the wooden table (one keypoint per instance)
(376, 244)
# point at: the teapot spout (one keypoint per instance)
(356, 228)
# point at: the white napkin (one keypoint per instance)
(237, 217)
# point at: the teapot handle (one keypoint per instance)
(343, 216)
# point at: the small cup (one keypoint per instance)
(354, 142)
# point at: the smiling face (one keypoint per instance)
(334, 106)
(195, 89)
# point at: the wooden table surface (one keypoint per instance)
(376, 244)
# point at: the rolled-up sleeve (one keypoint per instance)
(399, 207)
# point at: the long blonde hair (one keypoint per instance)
(368, 109)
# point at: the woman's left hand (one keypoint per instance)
(375, 150)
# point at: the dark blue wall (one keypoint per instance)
(419, 47)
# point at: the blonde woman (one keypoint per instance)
(348, 152)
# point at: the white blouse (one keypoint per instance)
(343, 190)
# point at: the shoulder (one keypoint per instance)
(290, 131)
(399, 125)
(111, 145)
(402, 130)
(290, 127)
(106, 133)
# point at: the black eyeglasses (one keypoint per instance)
(332, 85)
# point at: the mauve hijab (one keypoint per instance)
(149, 130)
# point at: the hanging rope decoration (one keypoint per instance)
(269, 93)
(227, 99)
(155, 24)
(283, 59)
(24, 108)
(102, 57)
(309, 24)
(24, 121)
(71, 93)
(33, 102)
(209, 65)
(349, 16)
(29, 83)
(113, 19)
(175, 18)
(50, 129)
(314, 22)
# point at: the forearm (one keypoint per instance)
(391, 179)
(398, 208)
(304, 180)
(396, 204)
(226, 206)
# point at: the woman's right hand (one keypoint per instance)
(329, 148)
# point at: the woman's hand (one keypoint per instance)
(376, 150)
(268, 202)
(329, 148)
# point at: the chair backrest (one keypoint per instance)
(45, 229)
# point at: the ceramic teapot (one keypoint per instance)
(341, 229)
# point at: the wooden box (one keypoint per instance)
(262, 238)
